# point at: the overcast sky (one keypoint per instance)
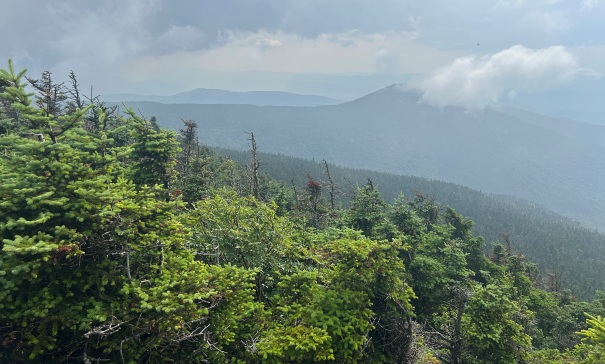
(463, 52)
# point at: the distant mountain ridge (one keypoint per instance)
(214, 96)
(556, 163)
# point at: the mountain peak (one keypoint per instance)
(395, 93)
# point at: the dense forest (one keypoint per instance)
(124, 242)
(567, 253)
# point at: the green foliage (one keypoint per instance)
(557, 244)
(334, 303)
(294, 337)
(368, 213)
(200, 169)
(551, 356)
(13, 99)
(596, 330)
(242, 231)
(588, 354)
(93, 266)
(297, 344)
(404, 218)
(74, 232)
(153, 154)
(190, 312)
(493, 326)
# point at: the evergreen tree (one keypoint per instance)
(153, 155)
(368, 213)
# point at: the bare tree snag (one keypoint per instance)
(255, 166)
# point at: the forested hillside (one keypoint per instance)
(563, 248)
(556, 163)
(124, 242)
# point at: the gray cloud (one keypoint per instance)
(109, 39)
(57, 30)
(163, 26)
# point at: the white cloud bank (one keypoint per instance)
(343, 53)
(475, 82)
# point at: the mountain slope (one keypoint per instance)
(558, 244)
(213, 96)
(499, 151)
